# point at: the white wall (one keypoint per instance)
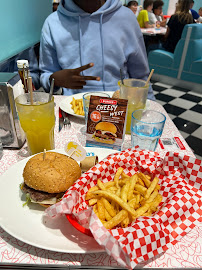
(171, 7)
(20, 24)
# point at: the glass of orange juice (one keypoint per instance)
(135, 92)
(37, 120)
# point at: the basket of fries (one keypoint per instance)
(135, 203)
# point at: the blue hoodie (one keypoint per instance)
(110, 38)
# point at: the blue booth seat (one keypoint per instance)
(186, 61)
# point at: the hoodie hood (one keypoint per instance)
(69, 8)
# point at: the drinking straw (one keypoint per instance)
(151, 73)
(121, 75)
(27, 79)
(44, 154)
(51, 89)
(24, 80)
(30, 89)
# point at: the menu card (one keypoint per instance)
(106, 122)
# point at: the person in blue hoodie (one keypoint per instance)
(85, 43)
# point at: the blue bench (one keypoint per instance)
(186, 61)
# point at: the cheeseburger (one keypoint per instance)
(46, 180)
(105, 132)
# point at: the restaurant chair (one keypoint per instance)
(186, 61)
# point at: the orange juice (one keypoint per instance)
(37, 121)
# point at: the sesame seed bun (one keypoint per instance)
(106, 126)
(116, 94)
(55, 174)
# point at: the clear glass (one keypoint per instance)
(37, 121)
(86, 101)
(146, 128)
(136, 93)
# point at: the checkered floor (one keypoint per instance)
(185, 109)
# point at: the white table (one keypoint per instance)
(153, 31)
(186, 253)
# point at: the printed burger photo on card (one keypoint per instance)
(106, 122)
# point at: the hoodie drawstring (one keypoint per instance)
(103, 59)
(102, 46)
(80, 42)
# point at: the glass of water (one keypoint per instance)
(146, 128)
(86, 101)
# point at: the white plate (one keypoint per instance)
(30, 225)
(67, 107)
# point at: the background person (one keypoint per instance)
(176, 24)
(155, 42)
(200, 12)
(139, 8)
(55, 4)
(133, 5)
(195, 15)
(143, 17)
(158, 12)
(71, 40)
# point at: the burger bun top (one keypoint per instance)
(55, 174)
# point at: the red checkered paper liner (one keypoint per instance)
(180, 178)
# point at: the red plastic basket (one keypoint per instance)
(72, 220)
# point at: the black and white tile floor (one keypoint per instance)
(185, 109)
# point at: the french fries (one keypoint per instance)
(77, 106)
(116, 220)
(124, 199)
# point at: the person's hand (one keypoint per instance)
(71, 78)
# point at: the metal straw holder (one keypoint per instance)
(11, 133)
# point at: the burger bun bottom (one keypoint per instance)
(45, 205)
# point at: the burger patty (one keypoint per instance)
(39, 196)
(105, 136)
